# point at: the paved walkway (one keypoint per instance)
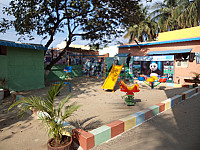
(175, 129)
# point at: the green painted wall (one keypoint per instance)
(3, 68)
(24, 68)
(57, 72)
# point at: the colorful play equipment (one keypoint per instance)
(129, 90)
(142, 78)
(67, 71)
(111, 80)
(153, 81)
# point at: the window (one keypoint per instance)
(198, 59)
(182, 59)
(3, 50)
(182, 63)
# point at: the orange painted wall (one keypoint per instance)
(179, 73)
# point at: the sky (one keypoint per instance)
(11, 35)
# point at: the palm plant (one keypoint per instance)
(164, 13)
(176, 14)
(53, 118)
(146, 30)
(196, 76)
(190, 15)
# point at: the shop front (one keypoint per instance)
(146, 65)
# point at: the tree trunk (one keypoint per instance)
(54, 61)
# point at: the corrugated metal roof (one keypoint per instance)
(170, 52)
(13, 44)
(122, 54)
(162, 42)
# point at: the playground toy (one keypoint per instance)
(111, 80)
(129, 90)
(153, 81)
(67, 70)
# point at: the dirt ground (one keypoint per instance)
(98, 108)
(175, 129)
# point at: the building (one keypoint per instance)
(77, 49)
(183, 45)
(110, 51)
(22, 65)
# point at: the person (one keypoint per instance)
(128, 60)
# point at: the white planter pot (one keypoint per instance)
(1, 94)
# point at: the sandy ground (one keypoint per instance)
(98, 108)
(175, 129)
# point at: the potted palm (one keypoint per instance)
(53, 118)
(194, 79)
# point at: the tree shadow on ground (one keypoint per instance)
(8, 118)
(86, 124)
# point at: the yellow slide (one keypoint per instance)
(112, 77)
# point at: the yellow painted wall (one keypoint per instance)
(180, 34)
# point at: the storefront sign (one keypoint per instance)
(154, 58)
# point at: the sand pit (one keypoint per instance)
(98, 108)
(101, 107)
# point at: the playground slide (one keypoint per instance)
(112, 77)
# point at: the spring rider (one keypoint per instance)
(129, 90)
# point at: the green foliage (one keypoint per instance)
(95, 19)
(165, 16)
(91, 19)
(176, 14)
(146, 28)
(53, 118)
(197, 76)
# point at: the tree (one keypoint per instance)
(190, 16)
(164, 13)
(90, 19)
(176, 14)
(145, 30)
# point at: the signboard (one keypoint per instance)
(154, 58)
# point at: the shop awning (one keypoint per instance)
(170, 52)
(122, 54)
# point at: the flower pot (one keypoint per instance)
(1, 94)
(67, 140)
